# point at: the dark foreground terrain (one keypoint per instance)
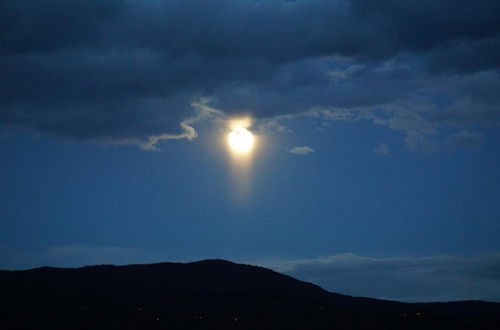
(212, 294)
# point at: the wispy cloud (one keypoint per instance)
(382, 149)
(301, 150)
(203, 112)
(463, 139)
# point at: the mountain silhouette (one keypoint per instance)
(209, 294)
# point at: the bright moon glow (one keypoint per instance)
(240, 140)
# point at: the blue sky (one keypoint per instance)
(376, 167)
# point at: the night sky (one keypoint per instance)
(375, 170)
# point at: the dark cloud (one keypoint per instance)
(29, 26)
(126, 70)
(426, 25)
(465, 56)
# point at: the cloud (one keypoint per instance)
(203, 112)
(434, 278)
(382, 149)
(301, 150)
(128, 71)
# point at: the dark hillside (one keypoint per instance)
(208, 294)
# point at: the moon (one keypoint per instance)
(240, 140)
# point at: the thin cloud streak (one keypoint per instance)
(301, 150)
(413, 279)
